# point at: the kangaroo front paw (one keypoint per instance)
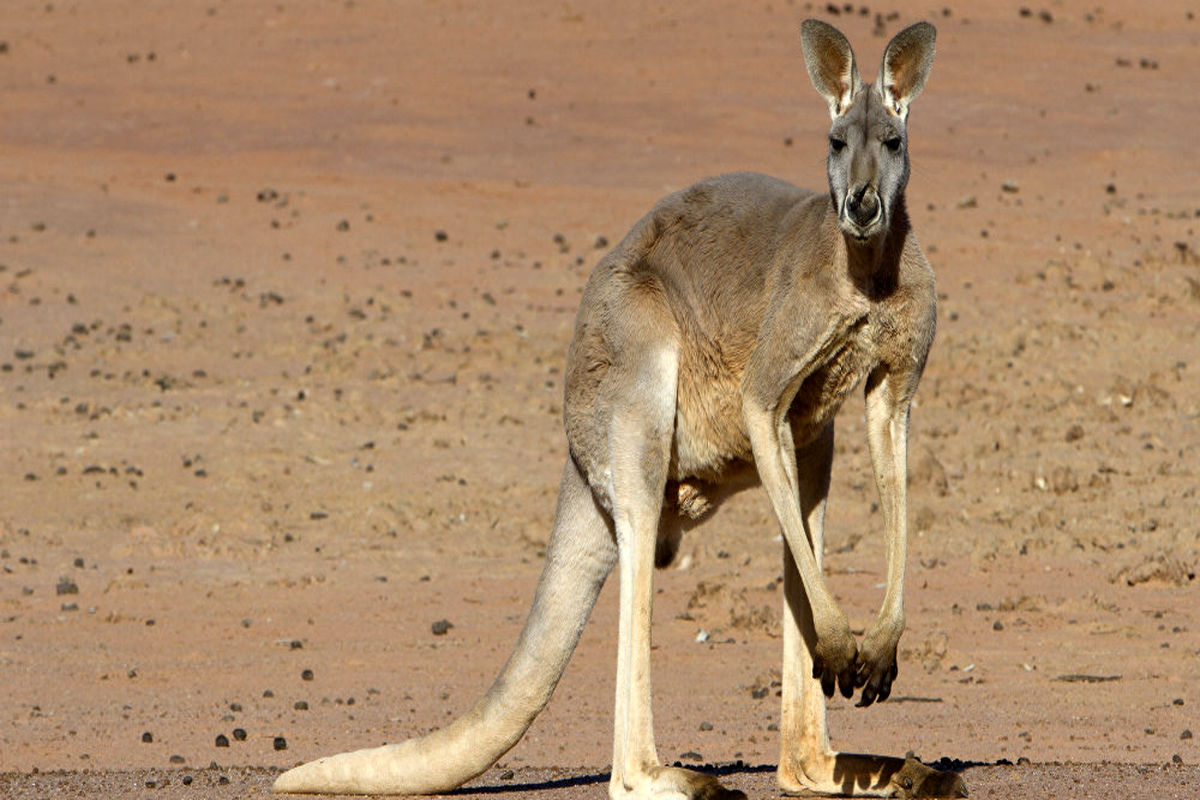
(835, 660)
(876, 667)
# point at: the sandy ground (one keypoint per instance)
(285, 294)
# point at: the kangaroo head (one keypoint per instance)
(868, 140)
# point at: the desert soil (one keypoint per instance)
(285, 295)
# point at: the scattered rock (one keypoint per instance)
(929, 471)
(925, 519)
(441, 627)
(1063, 480)
(1156, 567)
(1077, 677)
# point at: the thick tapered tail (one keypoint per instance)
(580, 555)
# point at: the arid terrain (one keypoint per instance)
(285, 296)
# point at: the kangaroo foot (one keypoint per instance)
(672, 782)
(920, 780)
(862, 775)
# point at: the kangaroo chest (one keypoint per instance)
(821, 394)
(710, 433)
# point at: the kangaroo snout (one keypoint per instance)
(862, 206)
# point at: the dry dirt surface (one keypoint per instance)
(285, 294)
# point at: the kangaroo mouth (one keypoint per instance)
(861, 214)
(860, 228)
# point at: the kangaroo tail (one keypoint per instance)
(580, 555)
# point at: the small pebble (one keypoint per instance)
(147, 737)
(306, 675)
(222, 740)
(280, 743)
(441, 627)
(239, 734)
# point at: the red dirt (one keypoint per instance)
(264, 419)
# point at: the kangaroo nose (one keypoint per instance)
(863, 205)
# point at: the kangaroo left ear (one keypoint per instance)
(906, 64)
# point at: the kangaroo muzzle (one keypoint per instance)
(863, 206)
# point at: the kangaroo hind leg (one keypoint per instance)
(639, 401)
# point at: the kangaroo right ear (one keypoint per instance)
(830, 63)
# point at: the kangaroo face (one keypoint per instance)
(868, 140)
(867, 165)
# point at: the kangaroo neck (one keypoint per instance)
(873, 265)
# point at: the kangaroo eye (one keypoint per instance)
(836, 144)
(893, 144)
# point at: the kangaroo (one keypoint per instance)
(714, 346)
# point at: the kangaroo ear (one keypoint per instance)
(906, 64)
(830, 63)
